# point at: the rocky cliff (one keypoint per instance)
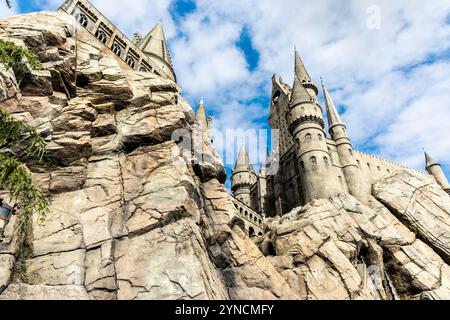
(132, 217)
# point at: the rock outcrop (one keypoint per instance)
(136, 215)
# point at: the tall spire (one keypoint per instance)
(201, 115)
(154, 44)
(243, 161)
(300, 69)
(429, 161)
(332, 113)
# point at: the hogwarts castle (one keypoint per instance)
(312, 164)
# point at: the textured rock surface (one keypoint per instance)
(134, 216)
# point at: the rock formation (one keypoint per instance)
(133, 217)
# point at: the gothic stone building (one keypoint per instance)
(144, 54)
(312, 164)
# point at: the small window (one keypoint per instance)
(83, 20)
(302, 165)
(276, 97)
(379, 168)
(350, 151)
(314, 161)
(116, 49)
(368, 165)
(325, 160)
(100, 35)
(130, 61)
(319, 136)
(308, 137)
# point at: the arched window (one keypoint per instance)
(325, 160)
(314, 161)
(236, 206)
(101, 35)
(319, 136)
(246, 214)
(251, 232)
(297, 142)
(116, 49)
(251, 216)
(368, 165)
(241, 211)
(308, 137)
(276, 97)
(302, 165)
(83, 20)
(130, 61)
(350, 151)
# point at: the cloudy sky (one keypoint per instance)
(387, 63)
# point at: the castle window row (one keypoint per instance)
(112, 39)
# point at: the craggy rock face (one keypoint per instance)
(134, 216)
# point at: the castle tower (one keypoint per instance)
(243, 178)
(435, 170)
(262, 186)
(338, 131)
(307, 126)
(202, 116)
(154, 45)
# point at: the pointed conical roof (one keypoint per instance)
(332, 113)
(201, 114)
(243, 161)
(430, 161)
(299, 93)
(300, 69)
(154, 44)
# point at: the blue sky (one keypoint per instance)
(387, 63)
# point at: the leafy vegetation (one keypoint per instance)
(19, 141)
(17, 58)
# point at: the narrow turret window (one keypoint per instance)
(302, 165)
(320, 137)
(325, 160)
(308, 137)
(350, 151)
(314, 160)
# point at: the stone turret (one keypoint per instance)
(338, 131)
(243, 178)
(154, 44)
(306, 125)
(436, 171)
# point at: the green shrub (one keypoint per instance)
(20, 141)
(16, 57)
